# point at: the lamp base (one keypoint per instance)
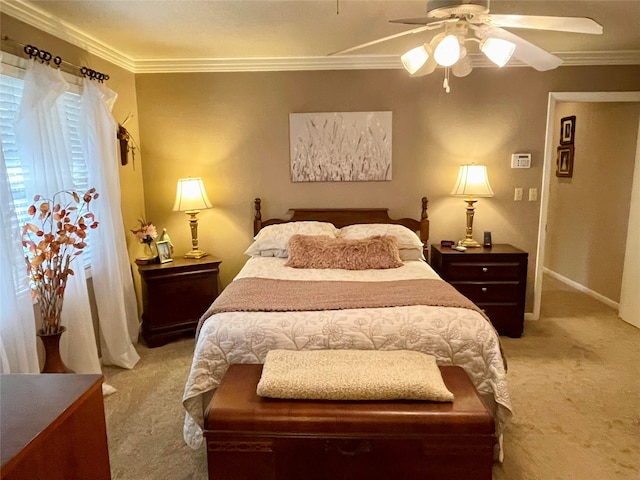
(196, 254)
(469, 243)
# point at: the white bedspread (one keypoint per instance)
(455, 336)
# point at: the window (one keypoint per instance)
(11, 89)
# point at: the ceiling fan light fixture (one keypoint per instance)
(414, 59)
(497, 50)
(448, 51)
(462, 68)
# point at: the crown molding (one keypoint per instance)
(618, 57)
(361, 62)
(37, 18)
(355, 62)
(41, 20)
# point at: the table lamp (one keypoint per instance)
(472, 182)
(191, 197)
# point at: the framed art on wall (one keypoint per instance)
(564, 161)
(567, 130)
(340, 146)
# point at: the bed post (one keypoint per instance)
(424, 227)
(257, 219)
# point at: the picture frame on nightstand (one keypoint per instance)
(164, 252)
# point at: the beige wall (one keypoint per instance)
(122, 82)
(589, 213)
(232, 129)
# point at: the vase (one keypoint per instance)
(52, 360)
(149, 251)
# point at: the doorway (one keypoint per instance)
(548, 167)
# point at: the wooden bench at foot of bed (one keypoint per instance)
(254, 438)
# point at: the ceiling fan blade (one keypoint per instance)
(383, 39)
(525, 51)
(418, 21)
(539, 22)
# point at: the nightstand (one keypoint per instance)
(495, 279)
(175, 295)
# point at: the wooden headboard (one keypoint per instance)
(341, 217)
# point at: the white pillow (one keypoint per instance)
(273, 240)
(409, 244)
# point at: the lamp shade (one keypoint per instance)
(472, 181)
(191, 195)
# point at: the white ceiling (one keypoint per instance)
(206, 35)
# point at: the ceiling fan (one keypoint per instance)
(469, 21)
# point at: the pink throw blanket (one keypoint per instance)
(272, 295)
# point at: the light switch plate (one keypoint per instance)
(517, 194)
(521, 160)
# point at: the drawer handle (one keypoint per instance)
(485, 269)
(350, 448)
(484, 289)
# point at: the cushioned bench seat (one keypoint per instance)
(250, 437)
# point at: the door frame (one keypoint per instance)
(548, 166)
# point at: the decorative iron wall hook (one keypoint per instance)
(124, 138)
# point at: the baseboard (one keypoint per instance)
(581, 288)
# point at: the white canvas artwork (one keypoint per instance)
(340, 146)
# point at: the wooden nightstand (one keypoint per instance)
(175, 295)
(494, 278)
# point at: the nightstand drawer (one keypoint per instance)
(483, 271)
(174, 300)
(505, 317)
(479, 292)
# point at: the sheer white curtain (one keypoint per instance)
(111, 274)
(17, 323)
(40, 139)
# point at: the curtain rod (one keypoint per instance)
(44, 56)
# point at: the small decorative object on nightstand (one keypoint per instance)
(495, 279)
(175, 295)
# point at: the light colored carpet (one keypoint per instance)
(574, 379)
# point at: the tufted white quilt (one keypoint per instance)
(454, 336)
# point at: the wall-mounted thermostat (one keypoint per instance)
(521, 160)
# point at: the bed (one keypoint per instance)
(453, 331)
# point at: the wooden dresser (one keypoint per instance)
(175, 295)
(53, 427)
(493, 278)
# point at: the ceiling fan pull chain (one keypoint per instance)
(445, 83)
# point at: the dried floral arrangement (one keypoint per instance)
(146, 232)
(52, 241)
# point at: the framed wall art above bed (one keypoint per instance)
(340, 146)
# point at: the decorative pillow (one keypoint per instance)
(272, 241)
(312, 251)
(352, 375)
(409, 244)
(409, 254)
